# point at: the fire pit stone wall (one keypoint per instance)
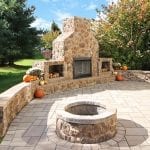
(86, 122)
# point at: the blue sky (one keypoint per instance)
(57, 10)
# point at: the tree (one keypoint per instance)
(54, 27)
(18, 38)
(48, 37)
(124, 33)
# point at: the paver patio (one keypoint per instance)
(34, 126)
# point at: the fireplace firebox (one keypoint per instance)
(105, 66)
(82, 67)
(55, 71)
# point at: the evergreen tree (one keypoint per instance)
(18, 38)
(54, 27)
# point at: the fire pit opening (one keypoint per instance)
(85, 109)
(86, 122)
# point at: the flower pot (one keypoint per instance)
(119, 77)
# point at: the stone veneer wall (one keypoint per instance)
(59, 84)
(12, 101)
(89, 133)
(76, 41)
(86, 122)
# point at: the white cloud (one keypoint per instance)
(41, 23)
(61, 15)
(91, 6)
(112, 1)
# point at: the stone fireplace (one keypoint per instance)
(78, 48)
(75, 59)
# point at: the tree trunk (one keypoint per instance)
(11, 62)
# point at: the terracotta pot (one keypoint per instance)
(119, 77)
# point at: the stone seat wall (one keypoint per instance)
(12, 101)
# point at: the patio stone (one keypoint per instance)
(8, 137)
(34, 127)
(5, 143)
(145, 147)
(136, 131)
(77, 146)
(22, 148)
(135, 140)
(135, 148)
(19, 133)
(18, 142)
(35, 131)
(86, 147)
(4, 147)
(95, 146)
(25, 119)
(47, 146)
(37, 122)
(33, 141)
(123, 144)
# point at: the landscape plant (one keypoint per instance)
(48, 38)
(123, 32)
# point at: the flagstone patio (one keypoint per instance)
(34, 126)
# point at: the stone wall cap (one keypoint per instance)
(8, 94)
(85, 119)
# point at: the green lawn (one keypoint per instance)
(27, 62)
(11, 75)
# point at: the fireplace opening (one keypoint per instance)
(82, 67)
(55, 71)
(105, 66)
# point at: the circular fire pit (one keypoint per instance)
(86, 122)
